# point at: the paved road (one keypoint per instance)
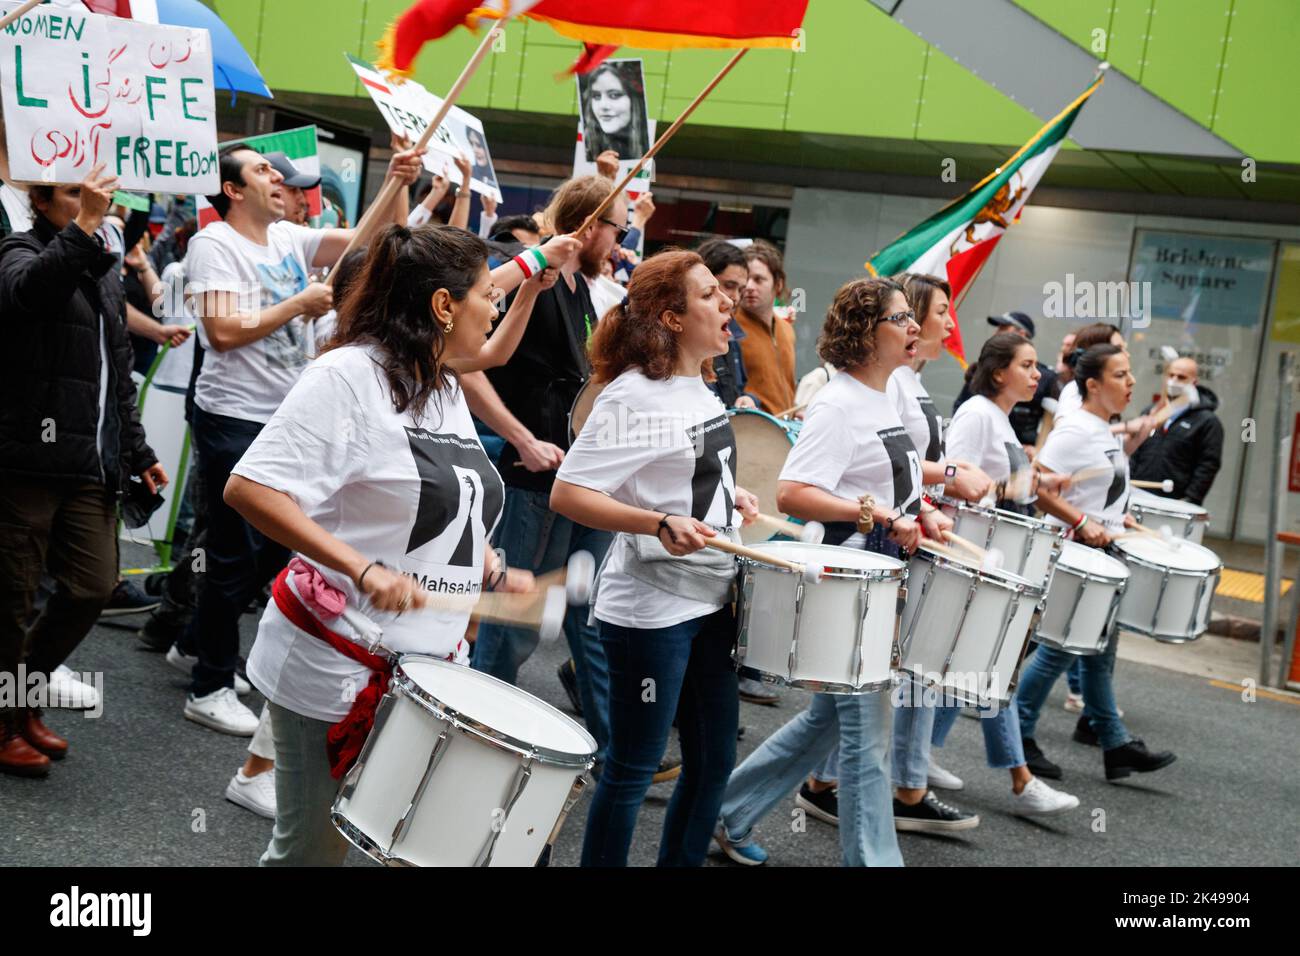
(139, 775)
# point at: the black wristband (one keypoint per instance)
(499, 575)
(362, 579)
(663, 526)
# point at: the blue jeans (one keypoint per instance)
(1072, 677)
(858, 724)
(304, 793)
(913, 725)
(537, 539)
(684, 670)
(1047, 664)
(1002, 738)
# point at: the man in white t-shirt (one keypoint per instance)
(251, 280)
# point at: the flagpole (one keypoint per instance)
(13, 15)
(385, 198)
(659, 144)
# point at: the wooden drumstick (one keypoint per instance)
(810, 572)
(1166, 486)
(934, 547)
(969, 545)
(810, 533)
(792, 410)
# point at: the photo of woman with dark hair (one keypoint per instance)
(614, 114)
(479, 157)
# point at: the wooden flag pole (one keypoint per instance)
(13, 15)
(390, 187)
(659, 144)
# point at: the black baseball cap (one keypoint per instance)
(1021, 321)
(292, 175)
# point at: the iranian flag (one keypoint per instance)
(957, 240)
(299, 145)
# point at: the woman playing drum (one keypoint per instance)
(1006, 373)
(1095, 511)
(856, 470)
(372, 472)
(656, 461)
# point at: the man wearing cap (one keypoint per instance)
(1025, 416)
(296, 183)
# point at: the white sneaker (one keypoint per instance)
(253, 793)
(1073, 702)
(221, 710)
(185, 664)
(941, 779)
(68, 692)
(1040, 800)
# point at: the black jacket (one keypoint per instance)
(1189, 451)
(53, 288)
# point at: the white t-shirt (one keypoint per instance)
(853, 443)
(662, 445)
(420, 496)
(250, 382)
(1085, 441)
(916, 408)
(605, 294)
(981, 434)
(1068, 402)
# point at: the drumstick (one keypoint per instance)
(943, 550)
(1166, 486)
(969, 545)
(810, 572)
(1095, 471)
(792, 410)
(810, 533)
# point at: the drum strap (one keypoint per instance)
(345, 739)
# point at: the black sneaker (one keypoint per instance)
(158, 635)
(1084, 734)
(669, 769)
(568, 674)
(824, 805)
(1122, 761)
(127, 598)
(932, 815)
(1037, 763)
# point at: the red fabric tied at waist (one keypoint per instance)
(345, 739)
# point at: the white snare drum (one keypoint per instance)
(1185, 520)
(837, 636)
(762, 445)
(1171, 585)
(1082, 600)
(583, 403)
(964, 629)
(461, 769)
(1029, 547)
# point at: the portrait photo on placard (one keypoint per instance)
(611, 100)
(468, 131)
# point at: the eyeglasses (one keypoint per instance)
(620, 232)
(901, 319)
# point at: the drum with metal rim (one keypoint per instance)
(838, 636)
(964, 629)
(1171, 586)
(461, 769)
(1029, 547)
(1083, 598)
(1184, 519)
(583, 403)
(762, 445)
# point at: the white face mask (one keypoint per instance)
(1174, 388)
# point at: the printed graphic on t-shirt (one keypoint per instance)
(905, 463)
(459, 490)
(933, 450)
(713, 486)
(286, 347)
(1117, 482)
(1017, 460)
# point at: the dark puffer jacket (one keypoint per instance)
(53, 287)
(1189, 451)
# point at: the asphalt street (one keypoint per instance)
(138, 778)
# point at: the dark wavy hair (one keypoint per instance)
(997, 354)
(1099, 333)
(848, 338)
(388, 305)
(630, 144)
(1092, 364)
(632, 334)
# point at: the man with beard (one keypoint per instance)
(527, 402)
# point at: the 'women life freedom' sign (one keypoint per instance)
(81, 89)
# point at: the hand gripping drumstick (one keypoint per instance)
(990, 560)
(812, 573)
(810, 533)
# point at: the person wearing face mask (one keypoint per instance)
(1188, 448)
(854, 469)
(656, 463)
(1094, 511)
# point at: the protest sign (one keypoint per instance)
(81, 89)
